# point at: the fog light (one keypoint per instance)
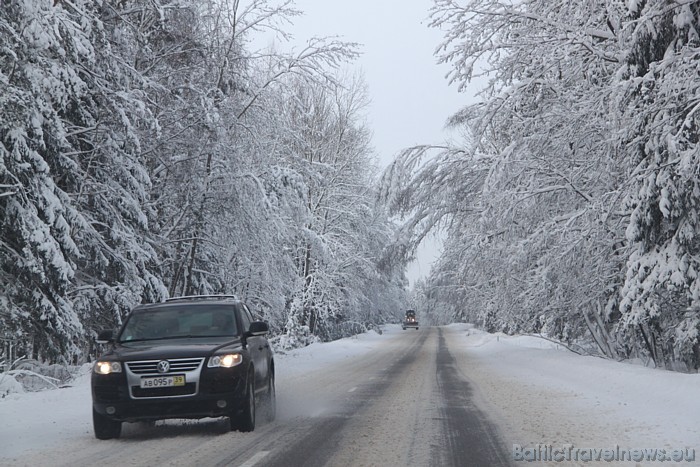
(110, 410)
(221, 404)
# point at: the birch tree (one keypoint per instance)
(338, 243)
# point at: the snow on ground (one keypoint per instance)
(538, 393)
(542, 394)
(48, 418)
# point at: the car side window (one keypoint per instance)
(247, 312)
(245, 318)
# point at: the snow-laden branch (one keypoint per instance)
(9, 189)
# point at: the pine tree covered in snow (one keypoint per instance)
(661, 85)
(72, 230)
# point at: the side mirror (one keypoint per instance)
(105, 336)
(258, 328)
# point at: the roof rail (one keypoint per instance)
(201, 297)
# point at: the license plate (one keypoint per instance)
(163, 381)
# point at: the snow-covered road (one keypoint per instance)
(437, 396)
(540, 394)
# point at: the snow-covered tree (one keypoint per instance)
(146, 152)
(341, 234)
(72, 238)
(659, 101)
(569, 208)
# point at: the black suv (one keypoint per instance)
(189, 357)
(410, 321)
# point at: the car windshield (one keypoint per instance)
(180, 321)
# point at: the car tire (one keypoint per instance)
(245, 420)
(105, 428)
(271, 400)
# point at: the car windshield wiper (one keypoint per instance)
(155, 339)
(181, 336)
(214, 335)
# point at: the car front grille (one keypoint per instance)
(177, 365)
(186, 390)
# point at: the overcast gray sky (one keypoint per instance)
(411, 98)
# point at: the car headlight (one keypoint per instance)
(225, 361)
(106, 368)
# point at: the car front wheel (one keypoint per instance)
(245, 420)
(105, 428)
(271, 400)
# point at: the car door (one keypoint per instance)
(258, 348)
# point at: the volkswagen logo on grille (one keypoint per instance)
(163, 366)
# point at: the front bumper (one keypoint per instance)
(192, 407)
(219, 392)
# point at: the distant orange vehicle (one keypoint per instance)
(410, 321)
